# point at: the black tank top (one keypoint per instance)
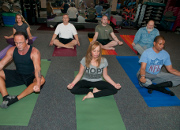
(24, 64)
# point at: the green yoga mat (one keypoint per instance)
(98, 113)
(20, 113)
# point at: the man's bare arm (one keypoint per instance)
(36, 58)
(172, 70)
(7, 58)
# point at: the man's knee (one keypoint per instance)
(75, 42)
(2, 74)
(42, 80)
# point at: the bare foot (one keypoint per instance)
(95, 90)
(89, 95)
(58, 47)
(120, 43)
(69, 47)
(111, 48)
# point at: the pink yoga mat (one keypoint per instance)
(64, 52)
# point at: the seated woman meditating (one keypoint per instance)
(93, 66)
(20, 26)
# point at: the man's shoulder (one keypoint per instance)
(99, 26)
(156, 30)
(34, 50)
(164, 52)
(148, 51)
(142, 28)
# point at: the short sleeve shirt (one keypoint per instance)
(91, 12)
(154, 60)
(144, 38)
(104, 31)
(65, 31)
(22, 28)
(94, 73)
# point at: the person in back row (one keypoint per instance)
(72, 12)
(20, 26)
(93, 66)
(103, 34)
(151, 61)
(28, 70)
(66, 31)
(144, 37)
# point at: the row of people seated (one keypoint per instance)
(66, 31)
(87, 14)
(27, 61)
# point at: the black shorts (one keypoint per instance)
(15, 79)
(64, 41)
(104, 41)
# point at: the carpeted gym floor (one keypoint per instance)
(55, 107)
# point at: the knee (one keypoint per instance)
(42, 80)
(115, 43)
(75, 42)
(73, 90)
(115, 91)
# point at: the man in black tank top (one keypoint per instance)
(28, 70)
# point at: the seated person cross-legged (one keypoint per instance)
(28, 70)
(93, 66)
(66, 31)
(151, 61)
(144, 37)
(72, 12)
(91, 17)
(103, 34)
(20, 26)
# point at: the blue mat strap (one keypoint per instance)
(131, 66)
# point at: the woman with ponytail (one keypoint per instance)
(20, 26)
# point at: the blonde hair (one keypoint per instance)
(22, 18)
(49, 7)
(91, 47)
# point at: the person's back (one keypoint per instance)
(91, 13)
(66, 6)
(108, 13)
(99, 8)
(72, 11)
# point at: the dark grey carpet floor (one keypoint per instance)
(55, 107)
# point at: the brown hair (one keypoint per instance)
(22, 18)
(91, 47)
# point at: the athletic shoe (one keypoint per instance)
(8, 101)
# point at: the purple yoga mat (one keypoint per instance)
(34, 38)
(3, 52)
(64, 52)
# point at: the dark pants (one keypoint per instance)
(83, 87)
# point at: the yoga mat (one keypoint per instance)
(98, 113)
(129, 40)
(64, 52)
(20, 113)
(105, 52)
(3, 52)
(156, 99)
(34, 38)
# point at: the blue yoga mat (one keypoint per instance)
(157, 99)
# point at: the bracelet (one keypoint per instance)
(143, 75)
